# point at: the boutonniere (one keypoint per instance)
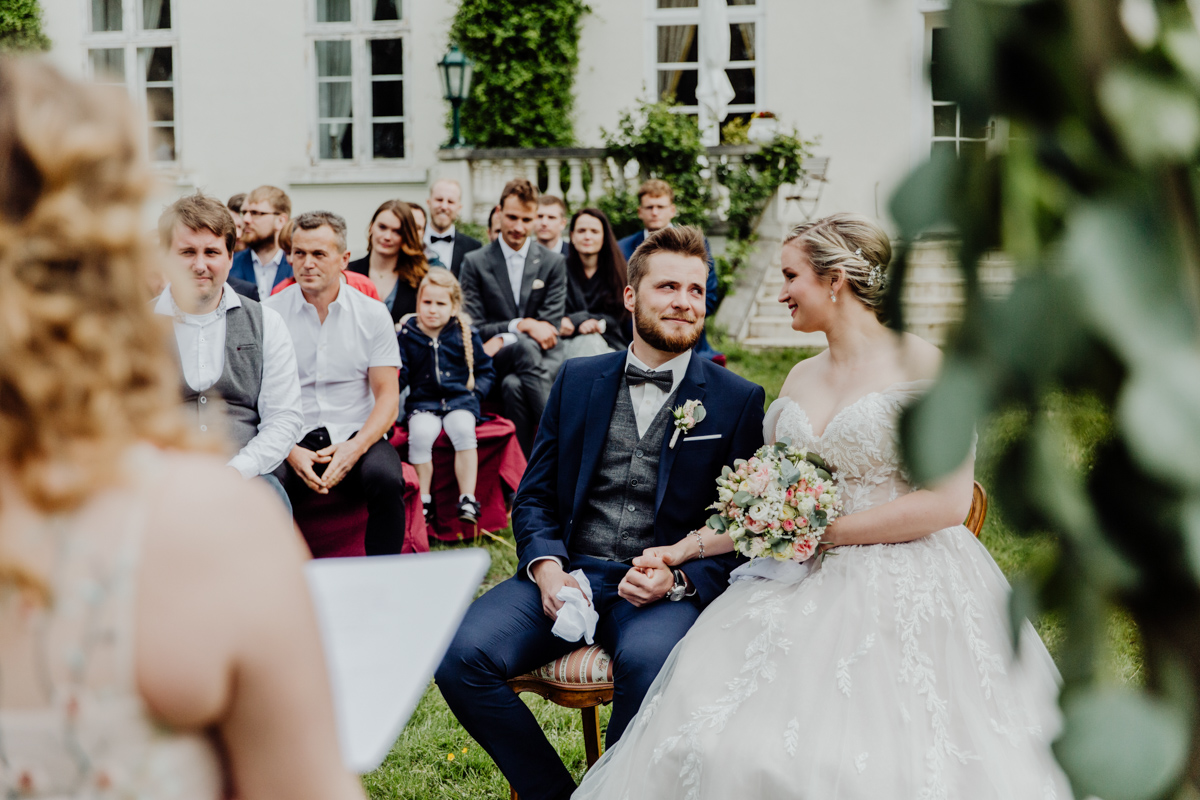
(686, 417)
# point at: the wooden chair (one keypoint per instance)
(583, 678)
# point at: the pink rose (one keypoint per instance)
(689, 421)
(802, 522)
(803, 549)
(789, 525)
(789, 494)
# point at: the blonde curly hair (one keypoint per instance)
(852, 244)
(85, 364)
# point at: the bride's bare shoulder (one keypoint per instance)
(803, 372)
(919, 359)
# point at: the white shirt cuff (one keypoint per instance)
(244, 465)
(508, 338)
(529, 569)
(512, 326)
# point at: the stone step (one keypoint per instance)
(814, 341)
(770, 327)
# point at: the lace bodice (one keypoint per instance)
(72, 721)
(861, 441)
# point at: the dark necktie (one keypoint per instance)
(636, 376)
(446, 239)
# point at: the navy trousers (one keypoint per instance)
(506, 633)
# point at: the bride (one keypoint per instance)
(884, 671)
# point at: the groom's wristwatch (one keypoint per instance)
(677, 592)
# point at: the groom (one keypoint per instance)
(605, 481)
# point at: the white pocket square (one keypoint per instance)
(687, 439)
(538, 283)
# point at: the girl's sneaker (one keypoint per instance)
(468, 510)
(427, 507)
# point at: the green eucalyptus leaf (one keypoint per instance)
(1022, 607)
(783, 440)
(1157, 117)
(743, 499)
(1160, 412)
(824, 474)
(726, 471)
(919, 204)
(1122, 745)
(1182, 45)
(698, 414)
(815, 460)
(717, 523)
(938, 429)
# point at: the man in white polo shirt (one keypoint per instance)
(347, 357)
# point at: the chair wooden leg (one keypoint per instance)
(591, 734)
(512, 792)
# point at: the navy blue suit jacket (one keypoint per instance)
(571, 439)
(243, 268)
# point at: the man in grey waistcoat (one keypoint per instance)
(237, 361)
(609, 478)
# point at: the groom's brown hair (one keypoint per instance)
(685, 240)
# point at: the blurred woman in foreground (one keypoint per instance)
(156, 635)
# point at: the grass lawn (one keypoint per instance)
(435, 758)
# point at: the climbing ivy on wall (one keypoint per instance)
(21, 26)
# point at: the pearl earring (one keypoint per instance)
(832, 296)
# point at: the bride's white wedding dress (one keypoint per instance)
(886, 671)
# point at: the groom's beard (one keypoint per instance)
(655, 334)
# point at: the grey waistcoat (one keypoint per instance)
(235, 394)
(617, 521)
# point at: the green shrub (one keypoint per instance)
(21, 26)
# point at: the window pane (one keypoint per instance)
(972, 151)
(942, 148)
(680, 84)
(743, 85)
(106, 15)
(160, 104)
(945, 120)
(387, 99)
(162, 144)
(156, 15)
(108, 66)
(387, 9)
(678, 44)
(336, 99)
(974, 131)
(388, 140)
(387, 57)
(157, 63)
(333, 10)
(939, 80)
(337, 140)
(333, 59)
(739, 2)
(741, 41)
(678, 3)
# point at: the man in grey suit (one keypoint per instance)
(515, 292)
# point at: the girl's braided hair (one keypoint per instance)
(444, 278)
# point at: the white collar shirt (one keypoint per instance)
(443, 250)
(264, 274)
(556, 246)
(515, 261)
(333, 358)
(201, 342)
(647, 398)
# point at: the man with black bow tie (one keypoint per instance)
(441, 236)
(607, 480)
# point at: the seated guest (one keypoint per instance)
(515, 293)
(551, 222)
(440, 235)
(237, 358)
(244, 288)
(395, 260)
(493, 225)
(421, 220)
(347, 357)
(596, 286)
(447, 371)
(356, 280)
(656, 210)
(263, 262)
(234, 205)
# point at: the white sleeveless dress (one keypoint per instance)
(886, 671)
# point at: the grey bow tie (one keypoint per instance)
(636, 376)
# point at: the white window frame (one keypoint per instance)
(359, 31)
(932, 16)
(656, 17)
(131, 40)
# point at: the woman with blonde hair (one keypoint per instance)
(156, 633)
(395, 260)
(886, 669)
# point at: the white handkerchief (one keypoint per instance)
(782, 571)
(538, 283)
(578, 617)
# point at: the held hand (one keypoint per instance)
(493, 345)
(342, 457)
(567, 328)
(671, 555)
(589, 326)
(540, 331)
(551, 578)
(301, 460)
(642, 586)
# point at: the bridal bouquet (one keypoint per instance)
(776, 504)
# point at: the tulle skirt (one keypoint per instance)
(886, 671)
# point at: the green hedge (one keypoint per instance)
(21, 26)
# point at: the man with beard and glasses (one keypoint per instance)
(265, 212)
(607, 479)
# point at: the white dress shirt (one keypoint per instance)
(333, 357)
(647, 401)
(443, 250)
(201, 342)
(264, 274)
(515, 261)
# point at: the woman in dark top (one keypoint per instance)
(596, 275)
(395, 260)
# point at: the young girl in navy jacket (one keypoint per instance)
(447, 372)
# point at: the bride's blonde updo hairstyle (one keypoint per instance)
(851, 244)
(84, 365)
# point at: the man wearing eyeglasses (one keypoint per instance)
(264, 213)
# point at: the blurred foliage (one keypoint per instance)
(1093, 194)
(755, 179)
(525, 58)
(736, 256)
(21, 26)
(736, 130)
(472, 229)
